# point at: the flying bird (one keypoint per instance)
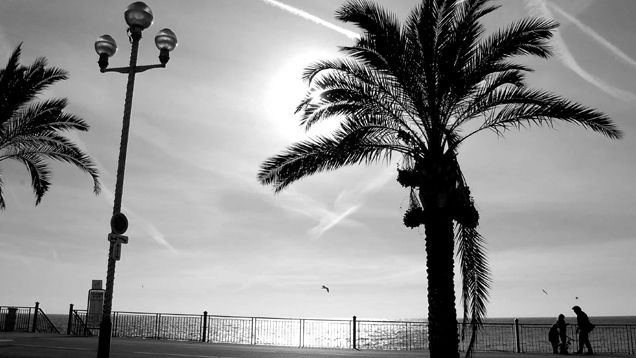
(576, 298)
(326, 288)
(544, 291)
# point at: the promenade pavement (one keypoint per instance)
(39, 345)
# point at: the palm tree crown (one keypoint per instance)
(410, 89)
(30, 132)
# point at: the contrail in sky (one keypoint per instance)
(564, 55)
(347, 203)
(615, 50)
(350, 34)
(108, 196)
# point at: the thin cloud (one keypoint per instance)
(144, 224)
(109, 197)
(564, 55)
(601, 40)
(304, 204)
(331, 219)
(347, 203)
(350, 34)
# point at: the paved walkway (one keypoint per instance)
(39, 345)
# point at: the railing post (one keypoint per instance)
(301, 342)
(253, 331)
(205, 326)
(517, 335)
(158, 326)
(354, 331)
(630, 348)
(70, 319)
(407, 341)
(35, 317)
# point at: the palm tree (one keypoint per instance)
(410, 89)
(30, 131)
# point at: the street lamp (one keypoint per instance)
(139, 17)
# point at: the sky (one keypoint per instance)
(557, 205)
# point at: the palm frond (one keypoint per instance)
(458, 48)
(528, 36)
(345, 87)
(492, 55)
(367, 56)
(476, 280)
(48, 115)
(20, 84)
(520, 107)
(349, 146)
(382, 26)
(30, 131)
(2, 203)
(471, 104)
(38, 169)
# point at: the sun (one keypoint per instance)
(286, 89)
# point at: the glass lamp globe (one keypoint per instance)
(166, 39)
(105, 45)
(138, 14)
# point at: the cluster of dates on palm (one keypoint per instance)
(462, 205)
(464, 211)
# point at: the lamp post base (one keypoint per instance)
(105, 332)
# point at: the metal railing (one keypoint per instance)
(25, 319)
(21, 321)
(355, 333)
(403, 335)
(608, 338)
(77, 323)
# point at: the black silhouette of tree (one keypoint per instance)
(409, 89)
(31, 130)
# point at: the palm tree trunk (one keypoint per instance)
(442, 315)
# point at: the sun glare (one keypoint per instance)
(285, 91)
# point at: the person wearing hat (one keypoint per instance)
(584, 327)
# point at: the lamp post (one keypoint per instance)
(139, 17)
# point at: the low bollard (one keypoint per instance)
(355, 329)
(35, 317)
(11, 318)
(205, 326)
(517, 335)
(70, 319)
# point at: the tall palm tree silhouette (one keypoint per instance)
(410, 89)
(30, 131)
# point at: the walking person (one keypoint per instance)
(561, 325)
(584, 327)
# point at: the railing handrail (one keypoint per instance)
(370, 320)
(50, 324)
(77, 318)
(18, 307)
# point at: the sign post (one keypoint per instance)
(95, 305)
(117, 240)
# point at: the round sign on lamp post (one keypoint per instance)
(119, 224)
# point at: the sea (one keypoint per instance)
(598, 320)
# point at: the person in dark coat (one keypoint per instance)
(562, 326)
(584, 327)
(553, 337)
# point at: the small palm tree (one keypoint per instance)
(410, 90)
(30, 132)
